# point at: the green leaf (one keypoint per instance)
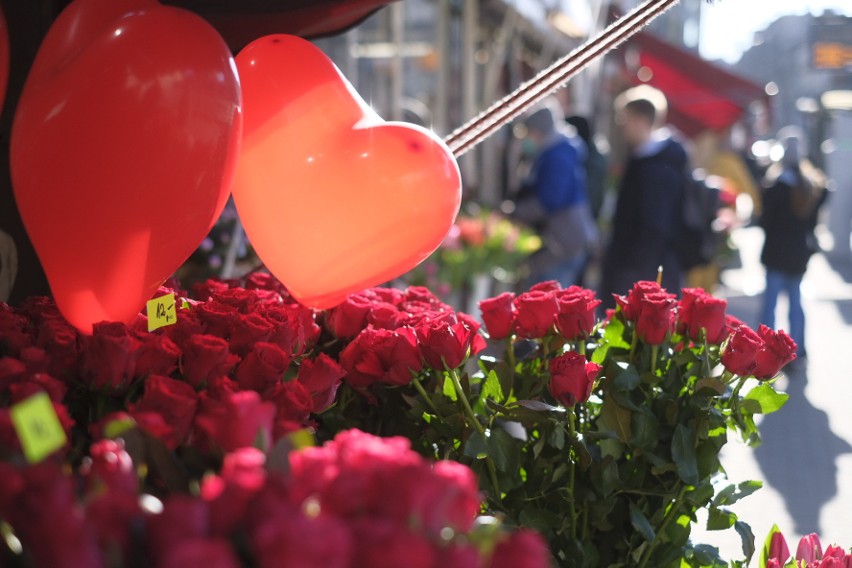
(767, 398)
(744, 530)
(504, 451)
(733, 493)
(476, 447)
(701, 495)
(711, 383)
(617, 418)
(491, 388)
(719, 519)
(613, 338)
(450, 389)
(683, 453)
(640, 523)
(645, 430)
(626, 377)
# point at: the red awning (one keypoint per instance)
(701, 95)
(241, 21)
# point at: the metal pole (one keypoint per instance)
(397, 79)
(470, 24)
(442, 83)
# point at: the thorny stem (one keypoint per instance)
(572, 430)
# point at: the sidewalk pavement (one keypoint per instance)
(805, 460)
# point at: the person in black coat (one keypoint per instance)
(794, 191)
(650, 199)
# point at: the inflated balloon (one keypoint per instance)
(333, 198)
(123, 149)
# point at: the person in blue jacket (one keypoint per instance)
(554, 199)
(648, 214)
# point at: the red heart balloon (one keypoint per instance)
(333, 198)
(123, 149)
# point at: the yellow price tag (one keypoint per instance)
(38, 427)
(161, 312)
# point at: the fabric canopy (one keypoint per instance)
(241, 21)
(701, 95)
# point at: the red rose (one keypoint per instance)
(498, 314)
(233, 419)
(229, 494)
(245, 301)
(293, 404)
(158, 355)
(392, 296)
(572, 378)
(699, 310)
(778, 350)
(206, 357)
(187, 326)
(265, 281)
(289, 538)
(184, 518)
(459, 502)
(523, 549)
(321, 378)
(445, 346)
(740, 353)
(13, 334)
(218, 318)
(349, 318)
(385, 544)
(656, 317)
(575, 318)
(174, 400)
(61, 341)
(631, 304)
(459, 556)
(263, 367)
(477, 342)
(110, 357)
(295, 330)
(546, 286)
(381, 355)
(38, 383)
(207, 552)
(35, 358)
(205, 290)
(536, 314)
(384, 316)
(248, 330)
(11, 371)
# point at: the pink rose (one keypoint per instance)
(231, 420)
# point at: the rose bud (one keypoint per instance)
(575, 318)
(498, 315)
(110, 359)
(572, 378)
(739, 356)
(699, 310)
(263, 367)
(321, 377)
(175, 401)
(631, 304)
(778, 350)
(656, 317)
(444, 345)
(350, 317)
(381, 355)
(206, 357)
(536, 314)
(809, 549)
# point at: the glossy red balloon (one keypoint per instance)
(123, 149)
(333, 198)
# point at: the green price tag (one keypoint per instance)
(38, 427)
(161, 312)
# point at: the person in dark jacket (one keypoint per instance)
(650, 198)
(554, 199)
(794, 191)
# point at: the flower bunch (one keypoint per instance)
(358, 501)
(606, 434)
(809, 553)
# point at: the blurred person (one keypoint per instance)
(595, 164)
(553, 198)
(793, 192)
(650, 197)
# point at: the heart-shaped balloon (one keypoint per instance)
(332, 198)
(123, 148)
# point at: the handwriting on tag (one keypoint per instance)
(161, 312)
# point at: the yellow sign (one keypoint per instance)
(832, 55)
(161, 312)
(38, 427)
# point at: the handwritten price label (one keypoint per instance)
(38, 427)
(161, 312)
